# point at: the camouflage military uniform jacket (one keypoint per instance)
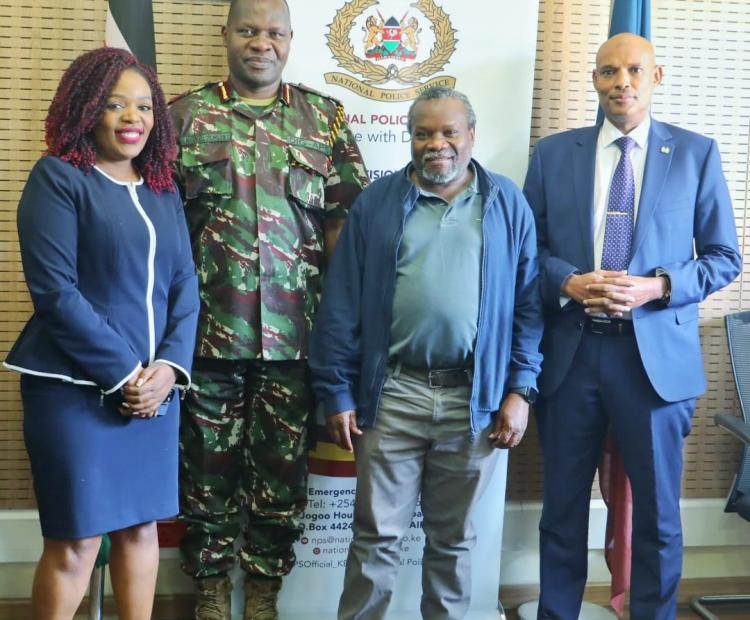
(258, 189)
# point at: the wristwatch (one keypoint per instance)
(667, 298)
(528, 393)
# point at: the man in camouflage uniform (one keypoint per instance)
(268, 171)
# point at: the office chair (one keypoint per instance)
(738, 337)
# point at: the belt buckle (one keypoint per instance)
(433, 374)
(598, 326)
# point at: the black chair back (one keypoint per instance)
(738, 337)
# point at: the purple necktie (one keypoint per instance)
(618, 231)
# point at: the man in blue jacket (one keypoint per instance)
(426, 349)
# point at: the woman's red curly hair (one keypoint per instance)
(79, 104)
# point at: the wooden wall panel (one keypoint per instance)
(38, 39)
(189, 49)
(704, 46)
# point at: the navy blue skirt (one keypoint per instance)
(96, 471)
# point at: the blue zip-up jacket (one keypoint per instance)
(349, 349)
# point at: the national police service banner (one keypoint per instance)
(130, 25)
(376, 57)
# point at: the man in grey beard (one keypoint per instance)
(425, 354)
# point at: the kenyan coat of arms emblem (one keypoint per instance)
(391, 49)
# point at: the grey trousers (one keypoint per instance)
(419, 444)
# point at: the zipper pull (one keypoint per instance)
(101, 398)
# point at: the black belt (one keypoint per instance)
(448, 377)
(608, 327)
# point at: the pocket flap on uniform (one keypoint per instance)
(308, 172)
(312, 158)
(210, 149)
(207, 166)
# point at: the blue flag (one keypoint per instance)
(130, 25)
(631, 16)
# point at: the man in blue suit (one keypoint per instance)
(635, 228)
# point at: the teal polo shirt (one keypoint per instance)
(438, 279)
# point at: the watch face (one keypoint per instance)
(529, 394)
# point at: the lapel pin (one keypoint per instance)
(665, 150)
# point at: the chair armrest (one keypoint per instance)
(735, 426)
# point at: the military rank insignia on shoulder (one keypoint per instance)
(323, 95)
(191, 91)
(338, 113)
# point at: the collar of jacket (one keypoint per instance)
(227, 92)
(488, 187)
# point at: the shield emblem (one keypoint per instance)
(392, 35)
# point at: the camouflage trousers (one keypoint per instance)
(243, 465)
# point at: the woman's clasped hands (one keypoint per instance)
(146, 390)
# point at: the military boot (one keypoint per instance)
(260, 598)
(213, 599)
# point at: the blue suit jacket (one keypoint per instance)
(685, 225)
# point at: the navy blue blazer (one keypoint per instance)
(685, 225)
(111, 277)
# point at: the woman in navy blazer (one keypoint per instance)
(108, 264)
